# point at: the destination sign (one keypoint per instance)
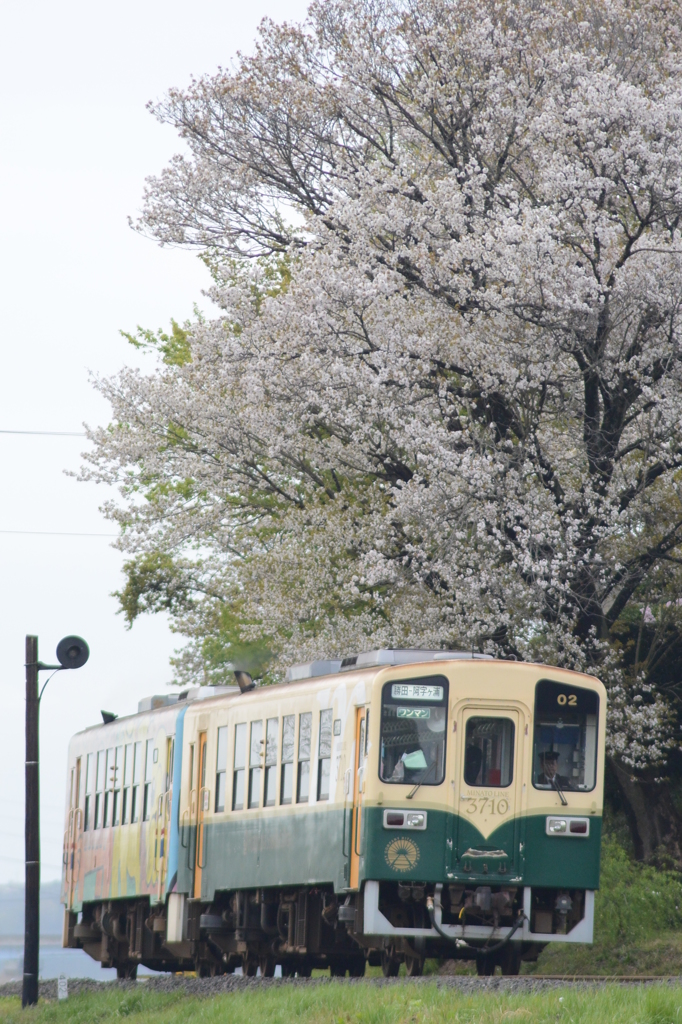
(414, 712)
(416, 691)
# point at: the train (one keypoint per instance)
(383, 809)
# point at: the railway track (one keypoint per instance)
(461, 983)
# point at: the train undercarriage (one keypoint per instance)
(306, 928)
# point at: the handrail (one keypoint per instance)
(201, 845)
(191, 846)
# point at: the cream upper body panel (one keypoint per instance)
(488, 687)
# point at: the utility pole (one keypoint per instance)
(29, 993)
(72, 652)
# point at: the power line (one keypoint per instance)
(47, 433)
(55, 533)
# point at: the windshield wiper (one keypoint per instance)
(421, 779)
(564, 801)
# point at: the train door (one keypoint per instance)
(488, 791)
(361, 716)
(202, 807)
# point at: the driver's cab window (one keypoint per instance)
(565, 737)
(489, 752)
(413, 731)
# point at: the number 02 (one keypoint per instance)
(571, 700)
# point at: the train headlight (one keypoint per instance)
(569, 826)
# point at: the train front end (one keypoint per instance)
(477, 812)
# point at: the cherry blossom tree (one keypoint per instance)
(441, 401)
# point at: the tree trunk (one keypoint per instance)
(654, 820)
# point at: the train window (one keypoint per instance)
(127, 783)
(239, 767)
(255, 759)
(221, 769)
(324, 763)
(99, 794)
(118, 773)
(565, 737)
(287, 785)
(271, 731)
(489, 752)
(109, 786)
(89, 786)
(137, 778)
(148, 775)
(305, 728)
(413, 731)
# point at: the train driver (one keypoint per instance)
(549, 775)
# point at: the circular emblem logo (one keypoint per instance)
(402, 854)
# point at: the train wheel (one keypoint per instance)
(389, 965)
(267, 966)
(337, 970)
(356, 967)
(287, 971)
(414, 966)
(304, 971)
(485, 966)
(126, 971)
(509, 959)
(250, 965)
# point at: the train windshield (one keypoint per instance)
(565, 737)
(413, 731)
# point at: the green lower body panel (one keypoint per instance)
(312, 847)
(563, 861)
(297, 849)
(443, 852)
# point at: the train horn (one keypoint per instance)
(244, 680)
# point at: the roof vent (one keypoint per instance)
(372, 659)
(164, 700)
(312, 669)
(157, 700)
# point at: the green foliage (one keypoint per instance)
(634, 901)
(154, 583)
(219, 647)
(174, 347)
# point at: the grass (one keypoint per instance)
(336, 1003)
(661, 955)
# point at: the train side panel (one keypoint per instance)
(304, 841)
(105, 856)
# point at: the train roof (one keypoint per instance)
(318, 670)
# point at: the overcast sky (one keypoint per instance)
(75, 146)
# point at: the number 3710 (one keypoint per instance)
(571, 699)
